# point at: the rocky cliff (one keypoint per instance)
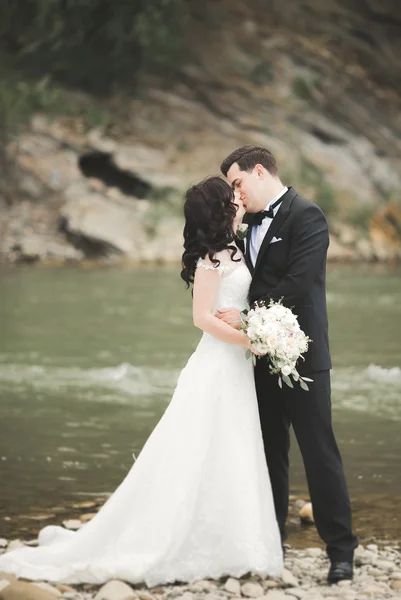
(316, 82)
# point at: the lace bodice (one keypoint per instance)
(235, 280)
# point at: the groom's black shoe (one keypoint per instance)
(339, 571)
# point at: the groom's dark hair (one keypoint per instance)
(247, 157)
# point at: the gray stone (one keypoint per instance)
(145, 595)
(8, 577)
(186, 596)
(15, 544)
(296, 593)
(364, 557)
(344, 583)
(233, 586)
(314, 552)
(375, 572)
(252, 590)
(21, 590)
(207, 584)
(3, 542)
(97, 218)
(288, 578)
(47, 587)
(72, 524)
(270, 584)
(385, 565)
(115, 590)
(276, 595)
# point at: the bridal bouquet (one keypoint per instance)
(274, 331)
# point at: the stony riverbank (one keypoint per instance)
(377, 576)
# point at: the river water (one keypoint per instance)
(89, 359)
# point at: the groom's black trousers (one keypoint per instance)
(310, 415)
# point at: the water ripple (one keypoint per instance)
(374, 389)
(124, 380)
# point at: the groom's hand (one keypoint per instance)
(231, 316)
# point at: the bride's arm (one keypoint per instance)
(206, 285)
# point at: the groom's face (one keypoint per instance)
(247, 186)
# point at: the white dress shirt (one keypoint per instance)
(259, 231)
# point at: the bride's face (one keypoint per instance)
(240, 209)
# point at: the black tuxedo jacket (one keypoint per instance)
(295, 269)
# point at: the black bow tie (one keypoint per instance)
(257, 218)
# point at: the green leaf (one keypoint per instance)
(307, 379)
(288, 381)
(248, 354)
(280, 383)
(304, 385)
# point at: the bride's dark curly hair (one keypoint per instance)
(209, 211)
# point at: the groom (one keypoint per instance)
(285, 251)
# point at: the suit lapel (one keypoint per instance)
(247, 250)
(276, 224)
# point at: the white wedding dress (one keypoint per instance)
(197, 503)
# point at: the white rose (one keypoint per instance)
(286, 370)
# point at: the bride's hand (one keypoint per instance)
(255, 352)
(252, 349)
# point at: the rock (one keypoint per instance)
(8, 577)
(206, 584)
(276, 595)
(269, 584)
(3, 543)
(21, 590)
(186, 596)
(364, 557)
(295, 593)
(31, 542)
(84, 504)
(385, 565)
(115, 590)
(15, 544)
(145, 595)
(87, 517)
(64, 588)
(233, 586)
(4, 583)
(252, 590)
(72, 524)
(314, 552)
(49, 588)
(113, 225)
(288, 578)
(395, 584)
(306, 514)
(372, 590)
(213, 596)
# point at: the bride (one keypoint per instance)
(197, 503)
